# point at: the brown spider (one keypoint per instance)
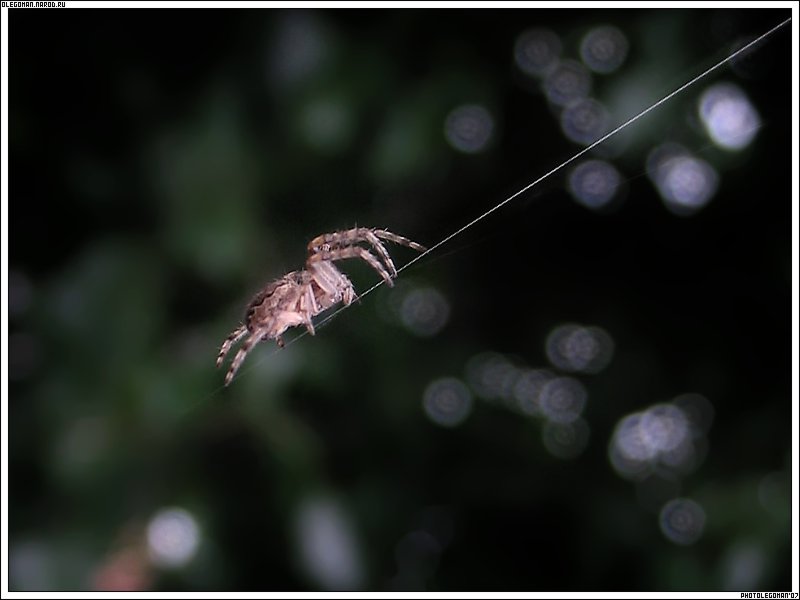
(298, 296)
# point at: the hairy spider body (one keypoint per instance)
(297, 297)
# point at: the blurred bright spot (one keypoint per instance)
(173, 537)
(594, 183)
(447, 402)
(661, 436)
(685, 183)
(536, 51)
(299, 48)
(565, 440)
(682, 521)
(729, 117)
(581, 349)
(424, 311)
(604, 49)
(567, 83)
(743, 566)
(327, 545)
(585, 121)
(663, 428)
(528, 390)
(491, 376)
(468, 128)
(562, 399)
(327, 125)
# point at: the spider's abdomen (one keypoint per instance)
(280, 295)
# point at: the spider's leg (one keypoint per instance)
(279, 341)
(254, 338)
(348, 292)
(351, 252)
(398, 239)
(351, 237)
(309, 308)
(380, 249)
(234, 337)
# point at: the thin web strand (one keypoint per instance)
(534, 183)
(556, 169)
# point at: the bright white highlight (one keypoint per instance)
(729, 117)
(663, 439)
(173, 537)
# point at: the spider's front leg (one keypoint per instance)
(350, 252)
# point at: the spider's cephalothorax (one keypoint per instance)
(298, 296)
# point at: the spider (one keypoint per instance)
(298, 296)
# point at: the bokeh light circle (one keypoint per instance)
(562, 399)
(682, 521)
(585, 121)
(604, 49)
(491, 376)
(567, 82)
(424, 311)
(686, 183)
(579, 349)
(173, 537)
(594, 183)
(528, 389)
(664, 428)
(662, 439)
(536, 51)
(469, 128)
(327, 545)
(447, 401)
(730, 119)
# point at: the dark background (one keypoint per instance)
(162, 168)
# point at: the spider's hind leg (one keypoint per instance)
(254, 338)
(234, 337)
